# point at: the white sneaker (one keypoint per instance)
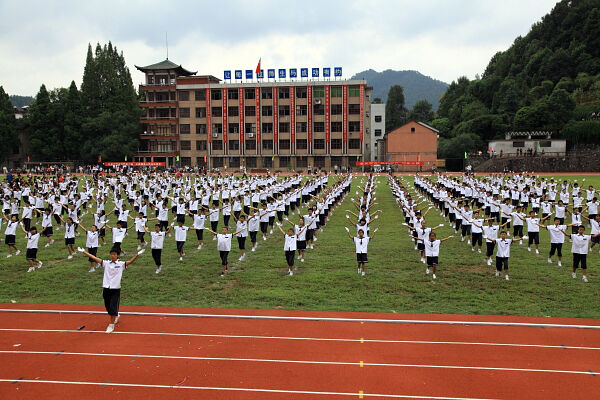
(298, 258)
(479, 251)
(31, 269)
(291, 272)
(416, 247)
(363, 273)
(434, 277)
(529, 249)
(427, 271)
(9, 256)
(271, 232)
(18, 252)
(199, 247)
(468, 241)
(473, 249)
(253, 249)
(315, 239)
(560, 264)
(264, 238)
(462, 239)
(302, 260)
(47, 245)
(422, 260)
(359, 270)
(70, 257)
(520, 242)
(110, 328)
(180, 258)
(549, 261)
(489, 261)
(497, 273)
(573, 275)
(158, 270)
(52, 241)
(584, 279)
(537, 251)
(506, 277)
(117, 319)
(139, 247)
(92, 269)
(214, 238)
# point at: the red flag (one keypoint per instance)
(204, 158)
(99, 159)
(258, 67)
(28, 158)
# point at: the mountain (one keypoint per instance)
(416, 85)
(20, 101)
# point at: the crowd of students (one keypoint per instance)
(483, 209)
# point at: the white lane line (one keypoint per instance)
(543, 346)
(319, 319)
(264, 360)
(238, 389)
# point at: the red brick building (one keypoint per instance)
(415, 141)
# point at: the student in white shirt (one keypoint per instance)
(253, 222)
(157, 240)
(47, 226)
(180, 237)
(140, 228)
(290, 246)
(199, 221)
(11, 235)
(503, 253)
(361, 243)
(242, 228)
(118, 235)
(223, 245)
(580, 248)
(595, 223)
(556, 239)
(111, 282)
(533, 231)
(69, 235)
(517, 221)
(432, 252)
(32, 247)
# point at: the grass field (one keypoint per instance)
(395, 280)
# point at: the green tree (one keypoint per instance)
(395, 110)
(8, 134)
(422, 111)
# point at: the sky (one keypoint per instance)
(46, 41)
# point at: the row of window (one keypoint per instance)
(267, 162)
(267, 93)
(267, 127)
(267, 111)
(284, 144)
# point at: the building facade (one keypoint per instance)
(414, 141)
(377, 129)
(292, 125)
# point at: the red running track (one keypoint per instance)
(307, 355)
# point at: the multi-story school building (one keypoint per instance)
(198, 120)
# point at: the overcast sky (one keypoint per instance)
(46, 41)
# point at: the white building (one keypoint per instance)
(377, 129)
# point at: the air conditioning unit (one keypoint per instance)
(215, 135)
(251, 134)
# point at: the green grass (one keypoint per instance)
(395, 280)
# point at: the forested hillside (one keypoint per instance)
(547, 80)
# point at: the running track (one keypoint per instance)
(272, 354)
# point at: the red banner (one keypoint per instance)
(363, 163)
(242, 112)
(362, 112)
(345, 114)
(258, 127)
(208, 115)
(225, 126)
(275, 120)
(135, 164)
(293, 119)
(310, 112)
(327, 116)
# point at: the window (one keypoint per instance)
(377, 132)
(284, 93)
(354, 144)
(336, 160)
(545, 143)
(250, 144)
(186, 161)
(301, 126)
(412, 129)
(249, 94)
(301, 92)
(234, 145)
(284, 127)
(267, 127)
(200, 112)
(249, 111)
(150, 79)
(354, 126)
(319, 162)
(301, 109)
(318, 109)
(184, 95)
(200, 95)
(267, 145)
(336, 143)
(284, 161)
(217, 128)
(216, 111)
(354, 91)
(172, 95)
(336, 91)
(284, 144)
(217, 162)
(336, 127)
(217, 145)
(234, 162)
(250, 128)
(354, 109)
(267, 162)
(518, 144)
(233, 128)
(233, 111)
(318, 91)
(301, 162)
(251, 162)
(266, 93)
(200, 128)
(150, 96)
(200, 161)
(284, 110)
(301, 144)
(185, 145)
(200, 145)
(336, 109)
(232, 94)
(319, 144)
(215, 94)
(184, 128)
(184, 112)
(319, 126)
(267, 111)
(378, 118)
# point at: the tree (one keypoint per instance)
(395, 111)
(8, 134)
(422, 111)
(377, 100)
